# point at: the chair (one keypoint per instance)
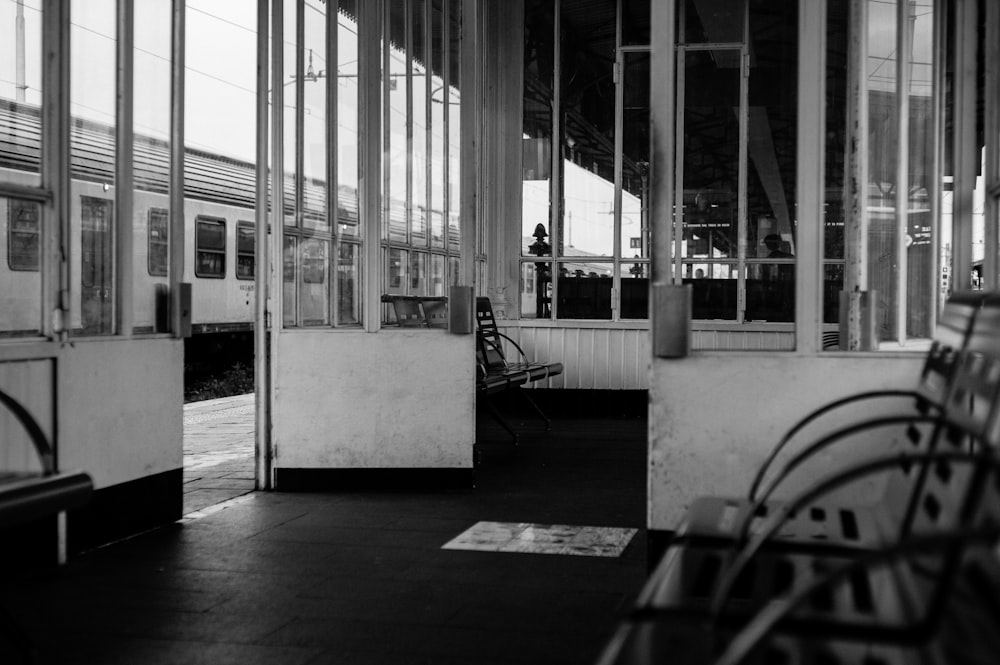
(496, 374)
(705, 580)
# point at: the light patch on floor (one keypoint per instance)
(543, 539)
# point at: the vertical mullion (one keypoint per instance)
(300, 128)
(555, 184)
(809, 183)
(855, 182)
(471, 134)
(428, 131)
(446, 201)
(938, 97)
(371, 51)
(616, 219)
(55, 179)
(277, 224)
(124, 180)
(176, 233)
(332, 200)
(742, 168)
(679, 215)
(991, 62)
(965, 155)
(262, 365)
(408, 78)
(903, 43)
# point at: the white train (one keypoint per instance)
(218, 241)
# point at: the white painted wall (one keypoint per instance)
(121, 408)
(393, 399)
(31, 384)
(595, 356)
(714, 416)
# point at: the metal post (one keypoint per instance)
(809, 183)
(263, 268)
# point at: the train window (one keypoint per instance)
(246, 245)
(159, 242)
(23, 245)
(210, 247)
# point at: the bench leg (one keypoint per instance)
(500, 419)
(548, 423)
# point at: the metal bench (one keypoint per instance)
(761, 593)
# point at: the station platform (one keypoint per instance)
(536, 564)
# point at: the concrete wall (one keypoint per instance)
(714, 416)
(392, 399)
(121, 408)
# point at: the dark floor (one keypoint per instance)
(361, 578)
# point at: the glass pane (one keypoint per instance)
(584, 290)
(439, 135)
(711, 154)
(211, 234)
(713, 290)
(92, 138)
(536, 144)
(720, 21)
(347, 124)
(220, 77)
(418, 76)
(588, 106)
(21, 293)
(921, 284)
(833, 284)
(771, 145)
(396, 270)
(883, 137)
(21, 89)
(635, 239)
(97, 279)
(395, 150)
(770, 292)
(536, 290)
(314, 147)
(437, 283)
(288, 281)
(151, 145)
(290, 66)
(418, 273)
(635, 22)
(349, 284)
(158, 258)
(635, 291)
(246, 243)
(314, 293)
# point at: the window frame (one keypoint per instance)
(198, 249)
(243, 225)
(11, 232)
(165, 242)
(618, 261)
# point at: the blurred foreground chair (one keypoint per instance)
(881, 603)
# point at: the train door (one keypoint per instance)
(97, 294)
